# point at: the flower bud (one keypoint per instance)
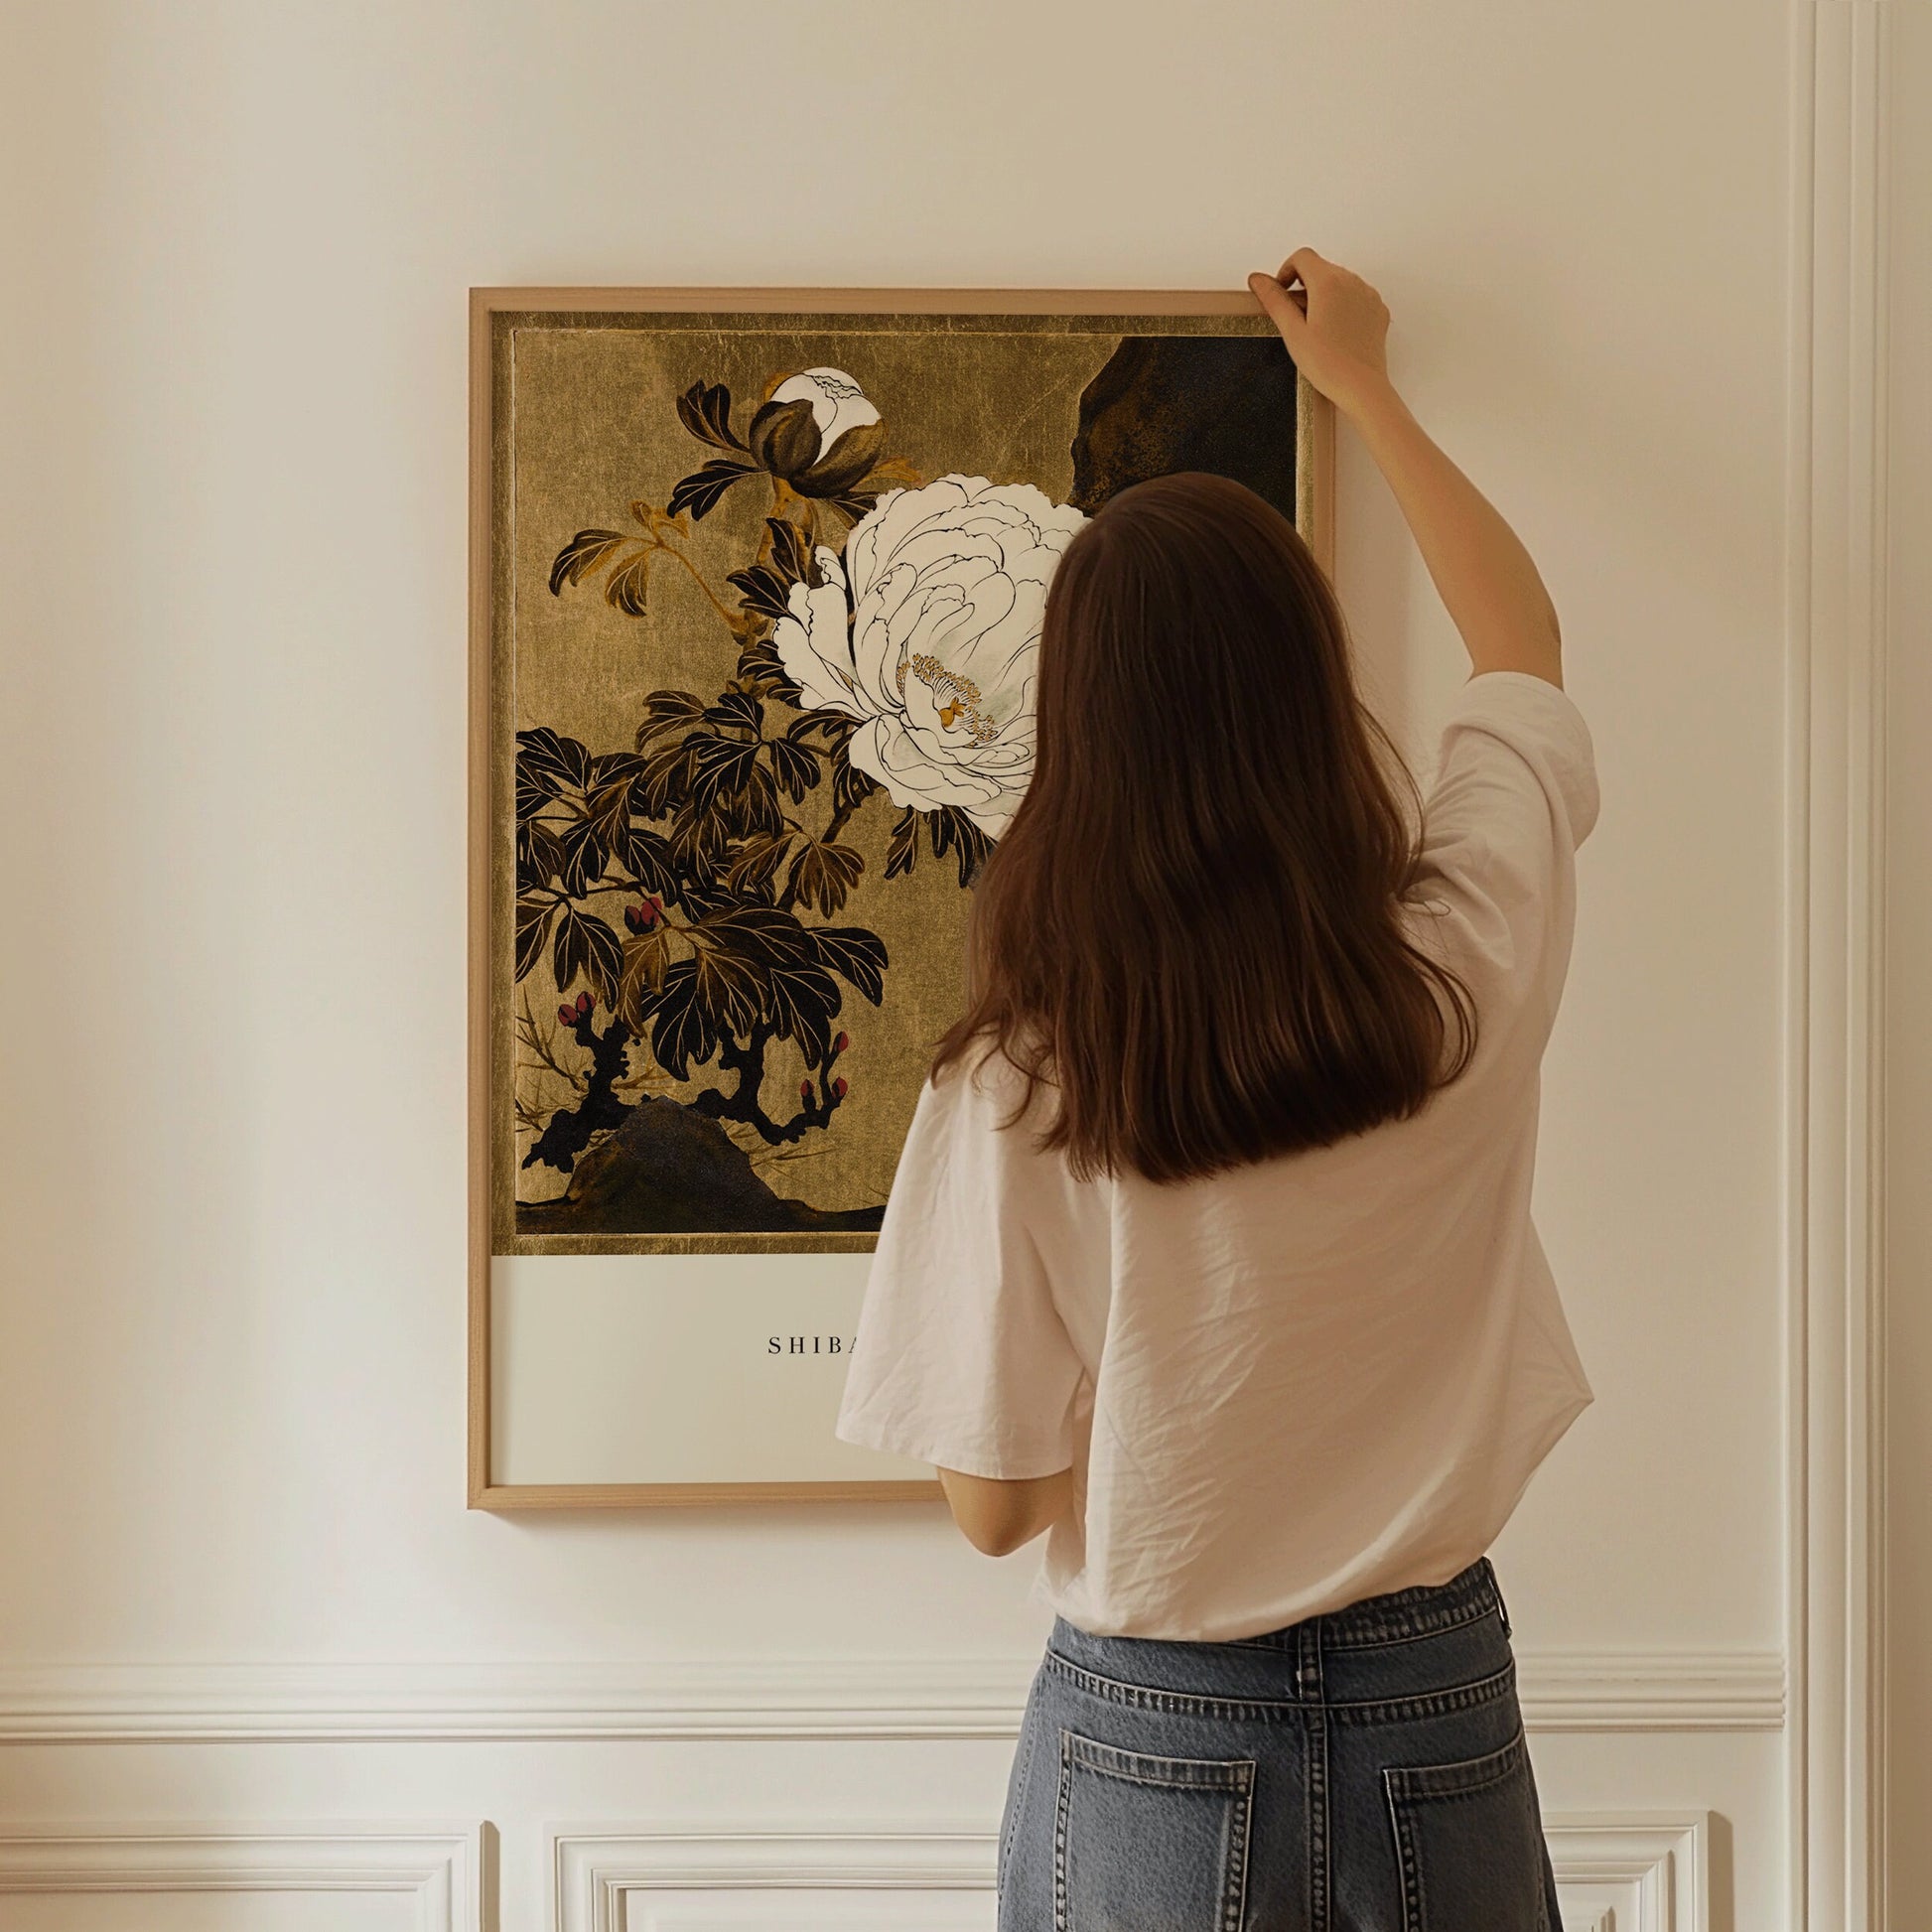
(783, 437)
(805, 1091)
(819, 431)
(838, 1086)
(842, 1043)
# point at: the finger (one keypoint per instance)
(1303, 264)
(1283, 308)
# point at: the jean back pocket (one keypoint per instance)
(1470, 1842)
(1145, 1844)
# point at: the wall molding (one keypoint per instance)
(1632, 1871)
(896, 1698)
(1618, 1872)
(439, 1867)
(1835, 841)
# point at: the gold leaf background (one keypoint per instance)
(586, 423)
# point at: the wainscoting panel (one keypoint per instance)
(267, 1878)
(1637, 1872)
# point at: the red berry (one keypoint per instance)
(568, 1015)
(842, 1043)
(805, 1091)
(585, 1002)
(838, 1086)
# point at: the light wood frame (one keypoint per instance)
(1315, 444)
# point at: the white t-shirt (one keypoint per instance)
(1294, 1384)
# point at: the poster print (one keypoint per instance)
(761, 579)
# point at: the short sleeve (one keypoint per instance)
(961, 1358)
(1515, 794)
(1549, 766)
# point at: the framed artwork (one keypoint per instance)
(756, 582)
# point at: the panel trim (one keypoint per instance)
(1656, 1865)
(439, 1866)
(900, 1698)
(1835, 636)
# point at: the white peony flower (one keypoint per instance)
(928, 634)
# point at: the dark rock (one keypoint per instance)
(1162, 403)
(669, 1171)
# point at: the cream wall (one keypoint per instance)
(232, 523)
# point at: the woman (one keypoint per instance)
(1209, 1252)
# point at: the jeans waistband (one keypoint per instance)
(1400, 1615)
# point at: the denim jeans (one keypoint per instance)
(1362, 1771)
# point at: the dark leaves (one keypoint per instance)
(645, 964)
(834, 726)
(667, 710)
(951, 830)
(683, 1031)
(610, 814)
(549, 760)
(588, 947)
(539, 856)
(791, 555)
(754, 966)
(760, 591)
(794, 767)
(608, 767)
(630, 584)
(666, 782)
(855, 955)
(903, 850)
(705, 409)
(756, 808)
(698, 838)
(728, 987)
(719, 764)
(648, 855)
(800, 1000)
(701, 491)
(585, 856)
(752, 869)
(850, 787)
(855, 503)
(532, 930)
(763, 932)
(700, 894)
(737, 707)
(823, 874)
(761, 665)
(582, 555)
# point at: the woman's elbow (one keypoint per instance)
(999, 1516)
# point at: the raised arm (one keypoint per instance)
(1335, 326)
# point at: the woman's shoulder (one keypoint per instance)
(989, 1071)
(995, 1087)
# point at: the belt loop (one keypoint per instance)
(1308, 1661)
(1502, 1608)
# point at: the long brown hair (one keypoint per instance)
(1191, 930)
